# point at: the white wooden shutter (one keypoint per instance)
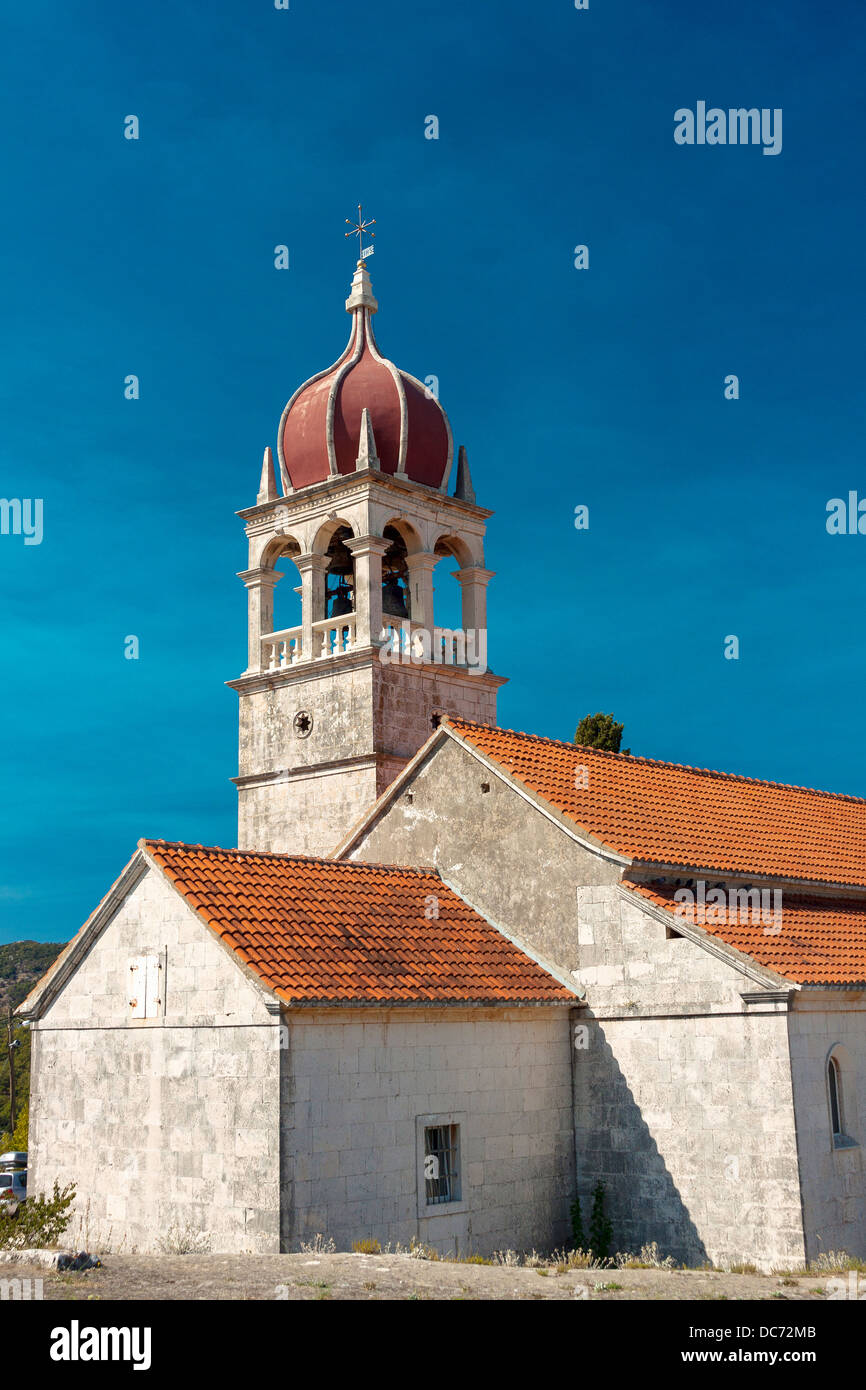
(151, 986)
(137, 986)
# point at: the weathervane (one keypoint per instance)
(358, 230)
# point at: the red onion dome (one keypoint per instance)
(320, 432)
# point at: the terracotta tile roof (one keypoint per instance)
(814, 940)
(664, 813)
(323, 931)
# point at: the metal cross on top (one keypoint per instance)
(358, 230)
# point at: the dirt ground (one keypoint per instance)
(377, 1277)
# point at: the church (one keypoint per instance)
(453, 975)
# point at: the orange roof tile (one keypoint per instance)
(664, 813)
(326, 931)
(814, 941)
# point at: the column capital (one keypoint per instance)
(262, 577)
(367, 545)
(473, 574)
(422, 560)
(311, 562)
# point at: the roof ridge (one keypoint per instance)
(634, 758)
(420, 869)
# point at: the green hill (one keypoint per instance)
(22, 963)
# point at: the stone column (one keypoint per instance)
(367, 552)
(313, 569)
(259, 585)
(421, 567)
(473, 581)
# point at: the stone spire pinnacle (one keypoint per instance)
(463, 488)
(268, 485)
(367, 456)
(361, 294)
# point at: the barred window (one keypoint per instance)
(441, 1163)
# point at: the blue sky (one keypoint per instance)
(602, 387)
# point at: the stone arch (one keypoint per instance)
(282, 547)
(325, 533)
(448, 543)
(280, 554)
(448, 598)
(410, 534)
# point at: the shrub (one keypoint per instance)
(835, 1262)
(649, 1258)
(367, 1247)
(577, 1225)
(319, 1245)
(580, 1259)
(600, 1229)
(419, 1251)
(184, 1240)
(39, 1222)
(17, 1140)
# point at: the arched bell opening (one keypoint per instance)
(286, 611)
(339, 576)
(447, 594)
(396, 593)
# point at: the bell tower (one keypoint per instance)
(358, 520)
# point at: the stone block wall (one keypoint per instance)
(683, 1095)
(166, 1123)
(497, 851)
(356, 1086)
(368, 720)
(833, 1178)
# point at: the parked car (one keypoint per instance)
(13, 1185)
(12, 1160)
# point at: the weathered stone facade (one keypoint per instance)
(359, 1084)
(700, 1094)
(833, 1178)
(255, 1126)
(169, 1122)
(683, 1099)
(516, 865)
(302, 793)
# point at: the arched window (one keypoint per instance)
(834, 1082)
(841, 1098)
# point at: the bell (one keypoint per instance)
(393, 600)
(340, 563)
(341, 601)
